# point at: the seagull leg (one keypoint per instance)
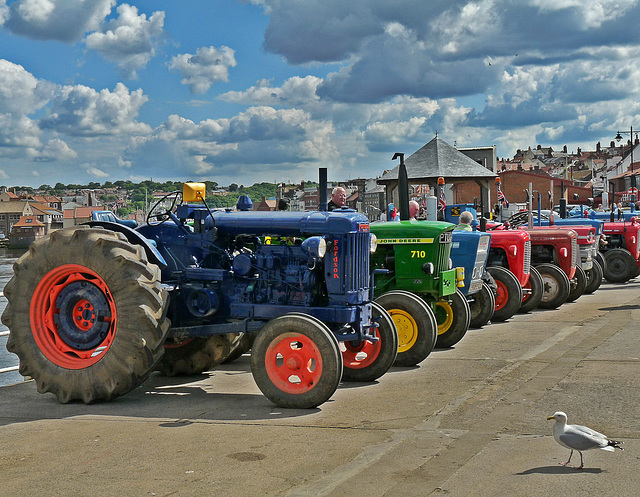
(581, 462)
(565, 463)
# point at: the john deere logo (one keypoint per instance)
(398, 241)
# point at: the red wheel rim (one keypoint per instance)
(73, 316)
(293, 363)
(502, 297)
(361, 355)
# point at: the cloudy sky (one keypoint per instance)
(270, 90)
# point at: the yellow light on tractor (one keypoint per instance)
(460, 277)
(193, 192)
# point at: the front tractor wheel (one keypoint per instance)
(368, 360)
(482, 306)
(579, 286)
(86, 314)
(296, 362)
(509, 293)
(620, 266)
(415, 323)
(453, 316)
(594, 278)
(532, 298)
(556, 286)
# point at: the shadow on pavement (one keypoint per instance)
(170, 400)
(559, 470)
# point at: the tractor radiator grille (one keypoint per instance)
(357, 262)
(527, 257)
(443, 252)
(574, 252)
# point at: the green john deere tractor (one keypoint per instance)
(414, 259)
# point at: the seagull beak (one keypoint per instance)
(550, 417)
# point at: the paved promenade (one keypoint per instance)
(469, 421)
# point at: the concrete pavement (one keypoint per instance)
(469, 421)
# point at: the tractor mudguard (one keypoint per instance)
(134, 238)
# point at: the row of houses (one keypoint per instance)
(24, 219)
(579, 178)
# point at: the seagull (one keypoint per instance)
(576, 437)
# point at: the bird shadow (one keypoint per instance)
(559, 470)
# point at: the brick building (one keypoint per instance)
(515, 183)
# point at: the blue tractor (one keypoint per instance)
(470, 250)
(94, 309)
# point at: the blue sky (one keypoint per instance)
(271, 90)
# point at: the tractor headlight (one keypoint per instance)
(315, 247)
(374, 243)
(428, 268)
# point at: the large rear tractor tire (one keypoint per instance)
(415, 323)
(240, 347)
(620, 265)
(86, 312)
(368, 360)
(532, 298)
(453, 316)
(195, 355)
(594, 278)
(556, 286)
(579, 285)
(509, 296)
(482, 306)
(296, 362)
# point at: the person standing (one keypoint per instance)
(338, 198)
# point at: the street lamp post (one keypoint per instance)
(633, 177)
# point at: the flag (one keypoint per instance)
(442, 202)
(501, 198)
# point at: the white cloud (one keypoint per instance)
(295, 91)
(593, 12)
(95, 172)
(55, 150)
(250, 144)
(208, 66)
(61, 20)
(19, 136)
(20, 91)
(82, 111)
(4, 11)
(129, 40)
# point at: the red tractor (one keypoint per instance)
(621, 253)
(588, 249)
(509, 263)
(554, 253)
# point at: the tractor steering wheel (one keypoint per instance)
(162, 214)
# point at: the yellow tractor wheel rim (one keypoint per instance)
(407, 329)
(447, 311)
